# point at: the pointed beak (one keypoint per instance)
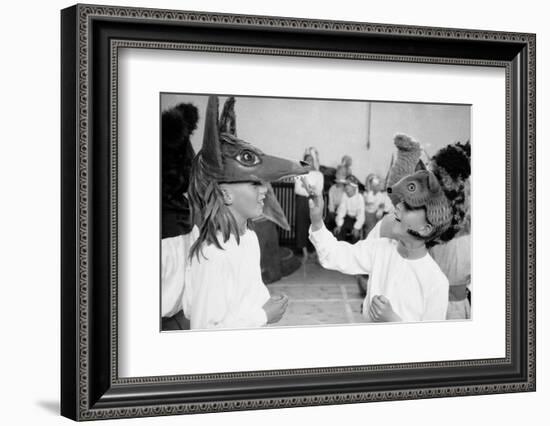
(276, 168)
(273, 210)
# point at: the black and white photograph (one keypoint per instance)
(263, 211)
(279, 212)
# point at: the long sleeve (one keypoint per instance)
(172, 275)
(341, 256)
(342, 210)
(174, 255)
(360, 218)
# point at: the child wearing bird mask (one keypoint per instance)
(405, 283)
(229, 186)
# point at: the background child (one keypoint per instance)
(316, 181)
(350, 215)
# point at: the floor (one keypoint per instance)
(319, 296)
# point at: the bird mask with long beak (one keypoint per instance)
(225, 158)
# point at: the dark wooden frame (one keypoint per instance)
(90, 386)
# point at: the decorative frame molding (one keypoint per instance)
(91, 37)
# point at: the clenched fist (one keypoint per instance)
(381, 310)
(275, 308)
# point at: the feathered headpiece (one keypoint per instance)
(226, 159)
(441, 190)
(451, 166)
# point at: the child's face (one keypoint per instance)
(409, 219)
(247, 198)
(375, 185)
(350, 190)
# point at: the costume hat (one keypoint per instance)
(228, 159)
(422, 189)
(440, 190)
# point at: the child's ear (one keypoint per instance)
(426, 230)
(227, 196)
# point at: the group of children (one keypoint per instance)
(229, 186)
(351, 214)
(352, 210)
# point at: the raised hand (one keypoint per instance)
(316, 204)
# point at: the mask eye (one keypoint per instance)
(411, 187)
(248, 158)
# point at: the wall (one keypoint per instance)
(30, 225)
(286, 127)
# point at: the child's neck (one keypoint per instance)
(412, 250)
(242, 222)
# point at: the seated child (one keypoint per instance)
(377, 202)
(224, 287)
(405, 283)
(350, 215)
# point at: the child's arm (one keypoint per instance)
(172, 275)
(334, 254)
(360, 218)
(341, 211)
(340, 255)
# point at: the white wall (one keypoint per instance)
(286, 127)
(29, 176)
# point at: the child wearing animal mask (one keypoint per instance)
(451, 249)
(229, 187)
(405, 283)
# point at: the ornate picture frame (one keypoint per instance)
(91, 37)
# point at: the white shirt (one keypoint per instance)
(314, 178)
(351, 206)
(416, 289)
(174, 255)
(335, 197)
(225, 289)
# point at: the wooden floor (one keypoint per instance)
(319, 296)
